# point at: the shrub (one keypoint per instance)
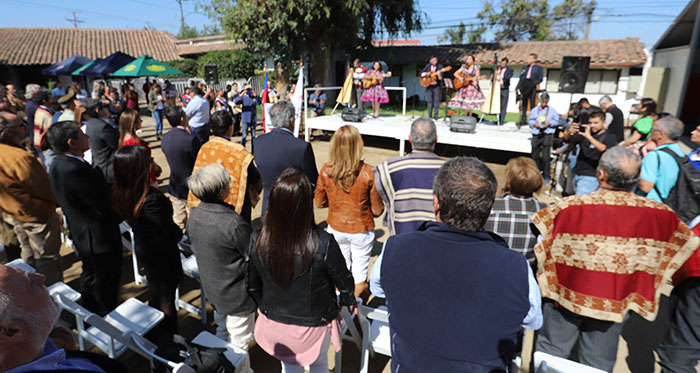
(188, 66)
(232, 64)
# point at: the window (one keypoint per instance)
(598, 82)
(635, 80)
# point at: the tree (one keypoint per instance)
(230, 64)
(290, 30)
(454, 35)
(189, 32)
(515, 20)
(187, 65)
(570, 18)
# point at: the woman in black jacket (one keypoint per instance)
(150, 214)
(293, 272)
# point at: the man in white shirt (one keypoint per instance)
(197, 111)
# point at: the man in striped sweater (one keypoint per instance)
(406, 183)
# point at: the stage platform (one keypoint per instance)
(506, 138)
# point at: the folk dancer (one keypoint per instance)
(377, 93)
(432, 92)
(469, 97)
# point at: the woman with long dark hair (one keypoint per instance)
(294, 270)
(642, 127)
(150, 214)
(129, 123)
(375, 91)
(346, 186)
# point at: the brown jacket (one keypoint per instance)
(350, 212)
(25, 190)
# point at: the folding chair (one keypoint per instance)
(546, 363)
(191, 270)
(347, 324)
(130, 244)
(375, 333)
(21, 264)
(109, 333)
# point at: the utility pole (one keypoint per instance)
(75, 21)
(589, 18)
(182, 15)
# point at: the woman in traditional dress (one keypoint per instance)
(376, 94)
(470, 96)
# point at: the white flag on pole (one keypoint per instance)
(298, 100)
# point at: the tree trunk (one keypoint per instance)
(281, 79)
(319, 55)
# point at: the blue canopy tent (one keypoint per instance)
(110, 64)
(66, 66)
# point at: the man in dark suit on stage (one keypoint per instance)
(505, 74)
(279, 150)
(85, 198)
(104, 137)
(432, 92)
(530, 77)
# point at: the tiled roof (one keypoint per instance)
(205, 44)
(44, 46)
(612, 52)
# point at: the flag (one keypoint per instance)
(297, 100)
(266, 106)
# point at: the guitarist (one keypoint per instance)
(432, 92)
(530, 77)
(505, 73)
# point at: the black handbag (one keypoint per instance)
(202, 359)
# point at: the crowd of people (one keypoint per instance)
(461, 259)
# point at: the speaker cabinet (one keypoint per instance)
(211, 73)
(574, 73)
(459, 123)
(352, 115)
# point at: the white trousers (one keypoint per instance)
(237, 330)
(356, 249)
(318, 366)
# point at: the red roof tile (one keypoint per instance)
(45, 46)
(612, 52)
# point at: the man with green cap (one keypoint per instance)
(68, 102)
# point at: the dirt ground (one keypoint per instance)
(636, 344)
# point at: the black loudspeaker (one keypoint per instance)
(459, 123)
(211, 73)
(352, 115)
(574, 72)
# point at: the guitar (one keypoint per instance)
(371, 80)
(462, 80)
(425, 81)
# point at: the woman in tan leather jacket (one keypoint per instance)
(346, 186)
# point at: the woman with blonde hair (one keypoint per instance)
(346, 186)
(129, 123)
(510, 214)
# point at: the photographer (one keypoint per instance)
(593, 140)
(543, 123)
(249, 101)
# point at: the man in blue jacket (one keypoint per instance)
(249, 118)
(457, 296)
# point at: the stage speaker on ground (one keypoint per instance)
(459, 123)
(352, 115)
(574, 72)
(211, 73)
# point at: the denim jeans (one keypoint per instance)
(244, 132)
(584, 184)
(158, 115)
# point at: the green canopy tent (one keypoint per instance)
(78, 71)
(145, 66)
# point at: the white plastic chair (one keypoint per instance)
(376, 336)
(21, 264)
(347, 324)
(109, 333)
(546, 363)
(130, 244)
(191, 270)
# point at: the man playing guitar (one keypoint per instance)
(432, 91)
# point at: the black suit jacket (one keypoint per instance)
(180, 149)
(278, 150)
(104, 140)
(84, 196)
(617, 126)
(535, 77)
(506, 77)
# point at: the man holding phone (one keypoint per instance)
(543, 123)
(593, 140)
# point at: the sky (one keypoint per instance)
(646, 19)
